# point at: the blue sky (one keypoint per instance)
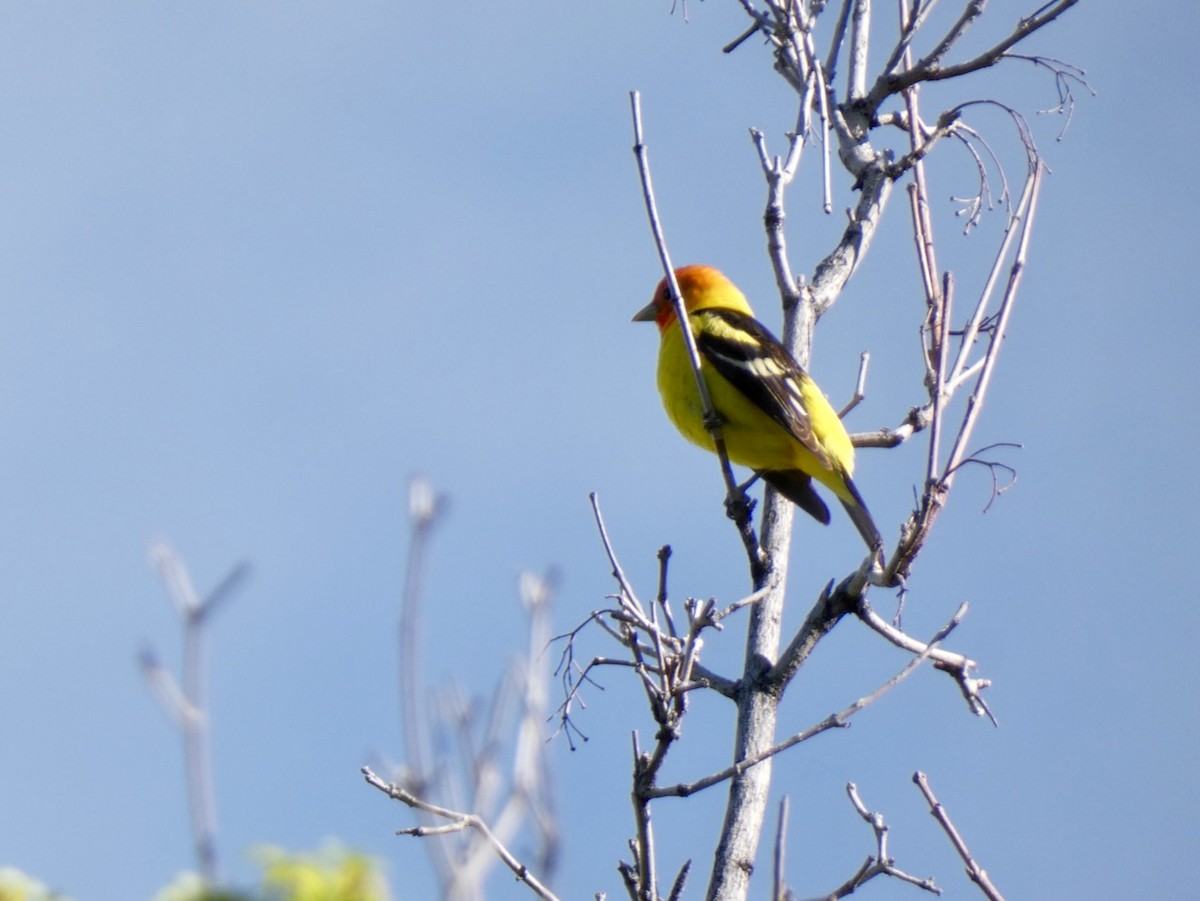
(259, 263)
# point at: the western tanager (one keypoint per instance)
(774, 419)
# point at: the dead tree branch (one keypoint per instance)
(881, 862)
(975, 872)
(187, 703)
(499, 769)
(846, 110)
(457, 822)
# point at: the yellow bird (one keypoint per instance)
(774, 419)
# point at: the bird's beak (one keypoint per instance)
(648, 313)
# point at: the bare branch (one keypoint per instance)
(1065, 75)
(665, 657)
(930, 69)
(780, 889)
(881, 863)
(680, 882)
(860, 385)
(977, 874)
(834, 271)
(644, 854)
(916, 420)
(617, 572)
(860, 35)
(458, 822)
(186, 701)
(972, 11)
(958, 666)
(833, 721)
(1023, 219)
(912, 20)
(739, 509)
(166, 690)
(426, 507)
(838, 37)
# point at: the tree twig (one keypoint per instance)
(977, 874)
(458, 822)
(881, 863)
(735, 500)
(187, 703)
(833, 721)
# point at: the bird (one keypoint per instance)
(773, 417)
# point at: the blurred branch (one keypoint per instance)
(457, 822)
(426, 507)
(503, 795)
(187, 704)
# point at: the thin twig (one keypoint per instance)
(780, 887)
(957, 665)
(458, 821)
(880, 863)
(186, 701)
(617, 572)
(426, 506)
(1024, 215)
(833, 721)
(930, 69)
(735, 500)
(977, 874)
(860, 385)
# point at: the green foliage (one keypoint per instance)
(331, 875)
(16, 886)
(190, 887)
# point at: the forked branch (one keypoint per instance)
(457, 821)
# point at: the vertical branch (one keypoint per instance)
(532, 774)
(839, 36)
(735, 501)
(978, 318)
(826, 165)
(647, 876)
(425, 507)
(197, 747)
(528, 793)
(779, 891)
(1024, 217)
(937, 318)
(938, 388)
(860, 35)
(917, 529)
(188, 706)
(500, 803)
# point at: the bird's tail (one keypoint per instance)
(797, 487)
(861, 517)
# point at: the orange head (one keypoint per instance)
(703, 287)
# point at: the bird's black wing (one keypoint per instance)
(749, 357)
